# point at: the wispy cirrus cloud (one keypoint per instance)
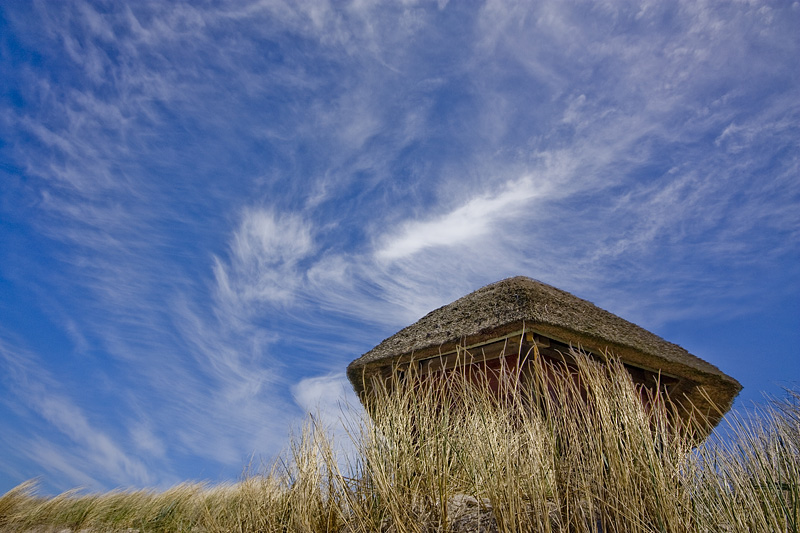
(474, 220)
(39, 392)
(265, 252)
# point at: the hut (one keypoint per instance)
(510, 317)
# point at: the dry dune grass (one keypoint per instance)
(574, 454)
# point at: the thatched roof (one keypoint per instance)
(515, 303)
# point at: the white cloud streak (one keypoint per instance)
(264, 255)
(473, 220)
(98, 453)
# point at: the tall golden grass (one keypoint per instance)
(576, 454)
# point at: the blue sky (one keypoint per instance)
(208, 209)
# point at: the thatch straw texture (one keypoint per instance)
(523, 303)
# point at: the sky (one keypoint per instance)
(208, 209)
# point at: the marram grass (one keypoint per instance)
(576, 453)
